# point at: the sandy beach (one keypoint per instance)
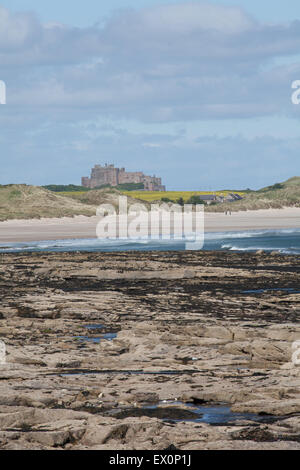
(85, 227)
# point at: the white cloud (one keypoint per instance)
(173, 62)
(151, 145)
(17, 31)
(190, 18)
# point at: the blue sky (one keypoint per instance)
(197, 92)
(79, 13)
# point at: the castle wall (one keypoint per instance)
(108, 174)
(130, 177)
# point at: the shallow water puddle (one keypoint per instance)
(222, 415)
(92, 339)
(289, 290)
(214, 415)
(107, 335)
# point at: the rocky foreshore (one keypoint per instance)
(149, 350)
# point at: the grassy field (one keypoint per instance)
(147, 196)
(150, 196)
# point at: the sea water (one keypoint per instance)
(285, 241)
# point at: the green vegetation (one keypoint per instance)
(30, 202)
(195, 200)
(166, 199)
(14, 193)
(73, 188)
(130, 186)
(274, 187)
(172, 196)
(286, 194)
(103, 186)
(34, 202)
(58, 188)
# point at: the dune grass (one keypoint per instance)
(21, 201)
(277, 196)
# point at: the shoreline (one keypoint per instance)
(83, 227)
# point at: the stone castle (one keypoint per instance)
(108, 174)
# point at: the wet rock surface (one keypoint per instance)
(119, 350)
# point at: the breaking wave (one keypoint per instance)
(286, 241)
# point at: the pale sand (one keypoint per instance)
(85, 227)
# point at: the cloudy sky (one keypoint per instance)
(197, 92)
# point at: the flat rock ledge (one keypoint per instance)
(127, 350)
